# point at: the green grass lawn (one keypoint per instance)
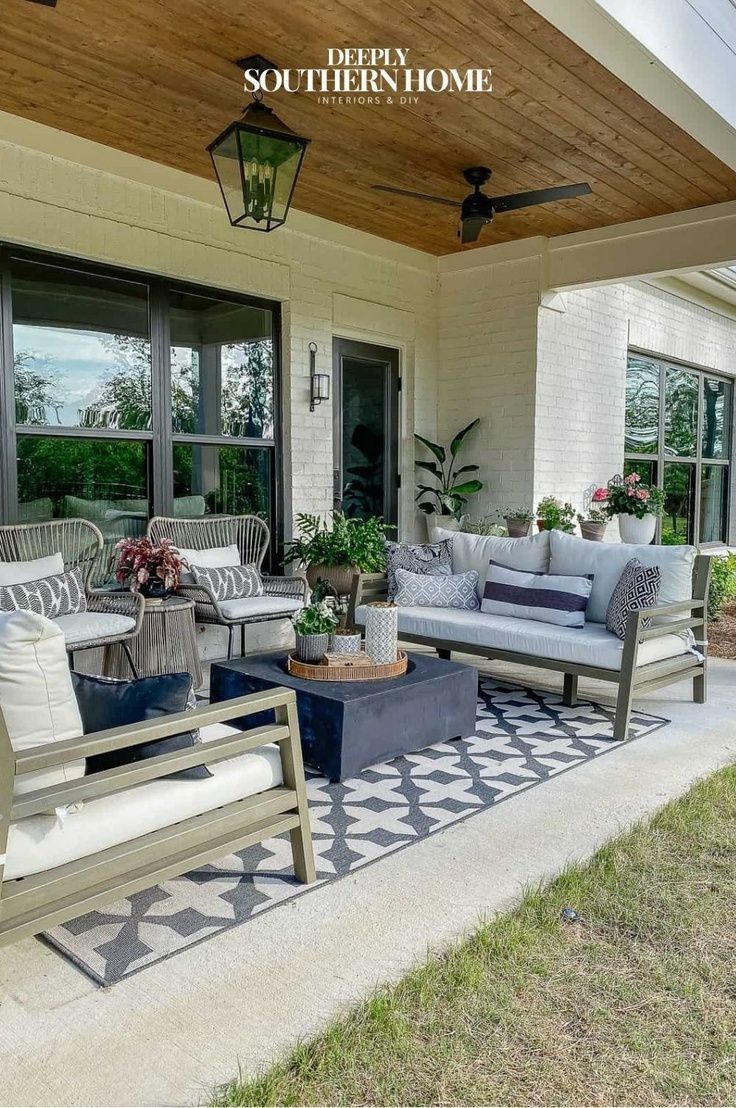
(637, 1005)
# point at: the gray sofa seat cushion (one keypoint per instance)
(591, 645)
(607, 561)
(264, 607)
(474, 552)
(88, 626)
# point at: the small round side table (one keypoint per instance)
(167, 643)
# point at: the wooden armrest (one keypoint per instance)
(675, 608)
(118, 738)
(137, 773)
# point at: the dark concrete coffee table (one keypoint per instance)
(348, 725)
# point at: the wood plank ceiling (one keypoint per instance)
(155, 78)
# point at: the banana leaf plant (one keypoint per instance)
(449, 494)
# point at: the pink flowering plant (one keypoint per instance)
(146, 566)
(597, 509)
(631, 497)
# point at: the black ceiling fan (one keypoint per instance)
(477, 209)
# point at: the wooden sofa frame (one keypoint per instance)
(632, 680)
(32, 904)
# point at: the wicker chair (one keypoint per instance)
(110, 617)
(282, 595)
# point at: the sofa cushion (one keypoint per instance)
(105, 703)
(476, 551)
(265, 607)
(561, 600)
(429, 558)
(36, 696)
(454, 590)
(19, 573)
(35, 511)
(91, 626)
(590, 645)
(637, 588)
(229, 582)
(61, 594)
(212, 557)
(40, 843)
(606, 561)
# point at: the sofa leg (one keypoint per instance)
(700, 687)
(446, 654)
(570, 690)
(623, 712)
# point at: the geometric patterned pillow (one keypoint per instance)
(429, 558)
(637, 588)
(457, 590)
(62, 594)
(229, 582)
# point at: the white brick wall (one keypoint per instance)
(58, 205)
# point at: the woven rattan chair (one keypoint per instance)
(110, 617)
(282, 595)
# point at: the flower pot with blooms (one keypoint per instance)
(151, 568)
(554, 515)
(313, 627)
(637, 506)
(518, 522)
(593, 523)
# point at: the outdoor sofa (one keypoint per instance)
(70, 843)
(647, 658)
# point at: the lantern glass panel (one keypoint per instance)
(226, 158)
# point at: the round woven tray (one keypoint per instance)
(322, 672)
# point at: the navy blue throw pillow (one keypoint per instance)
(104, 704)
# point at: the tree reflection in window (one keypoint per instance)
(681, 413)
(642, 407)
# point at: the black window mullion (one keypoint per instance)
(162, 462)
(8, 465)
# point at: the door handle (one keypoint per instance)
(337, 490)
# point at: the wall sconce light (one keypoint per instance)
(319, 383)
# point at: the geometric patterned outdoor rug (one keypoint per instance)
(523, 737)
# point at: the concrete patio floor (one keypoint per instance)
(168, 1034)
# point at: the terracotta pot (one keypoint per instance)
(518, 528)
(637, 531)
(340, 577)
(594, 530)
(541, 524)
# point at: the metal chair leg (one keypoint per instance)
(129, 656)
(71, 659)
(242, 640)
(230, 640)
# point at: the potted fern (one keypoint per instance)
(444, 501)
(335, 550)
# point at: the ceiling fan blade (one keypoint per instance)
(46, 3)
(539, 196)
(471, 227)
(418, 195)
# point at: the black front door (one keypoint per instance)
(366, 414)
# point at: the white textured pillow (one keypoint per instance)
(214, 557)
(474, 552)
(422, 590)
(607, 561)
(20, 573)
(36, 695)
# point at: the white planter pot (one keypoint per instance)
(447, 523)
(638, 531)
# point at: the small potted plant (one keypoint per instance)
(338, 549)
(151, 568)
(518, 522)
(444, 502)
(594, 522)
(482, 525)
(313, 627)
(637, 505)
(554, 515)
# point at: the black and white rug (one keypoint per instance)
(523, 737)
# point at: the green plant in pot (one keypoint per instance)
(638, 507)
(555, 515)
(336, 549)
(518, 522)
(444, 501)
(313, 627)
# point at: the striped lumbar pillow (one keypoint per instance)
(547, 597)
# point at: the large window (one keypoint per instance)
(122, 396)
(679, 435)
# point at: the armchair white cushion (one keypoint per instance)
(20, 573)
(214, 557)
(36, 695)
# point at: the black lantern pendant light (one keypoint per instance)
(257, 161)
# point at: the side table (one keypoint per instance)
(167, 643)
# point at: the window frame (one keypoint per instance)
(161, 435)
(659, 457)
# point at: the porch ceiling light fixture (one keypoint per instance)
(257, 161)
(319, 383)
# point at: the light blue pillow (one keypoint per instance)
(456, 590)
